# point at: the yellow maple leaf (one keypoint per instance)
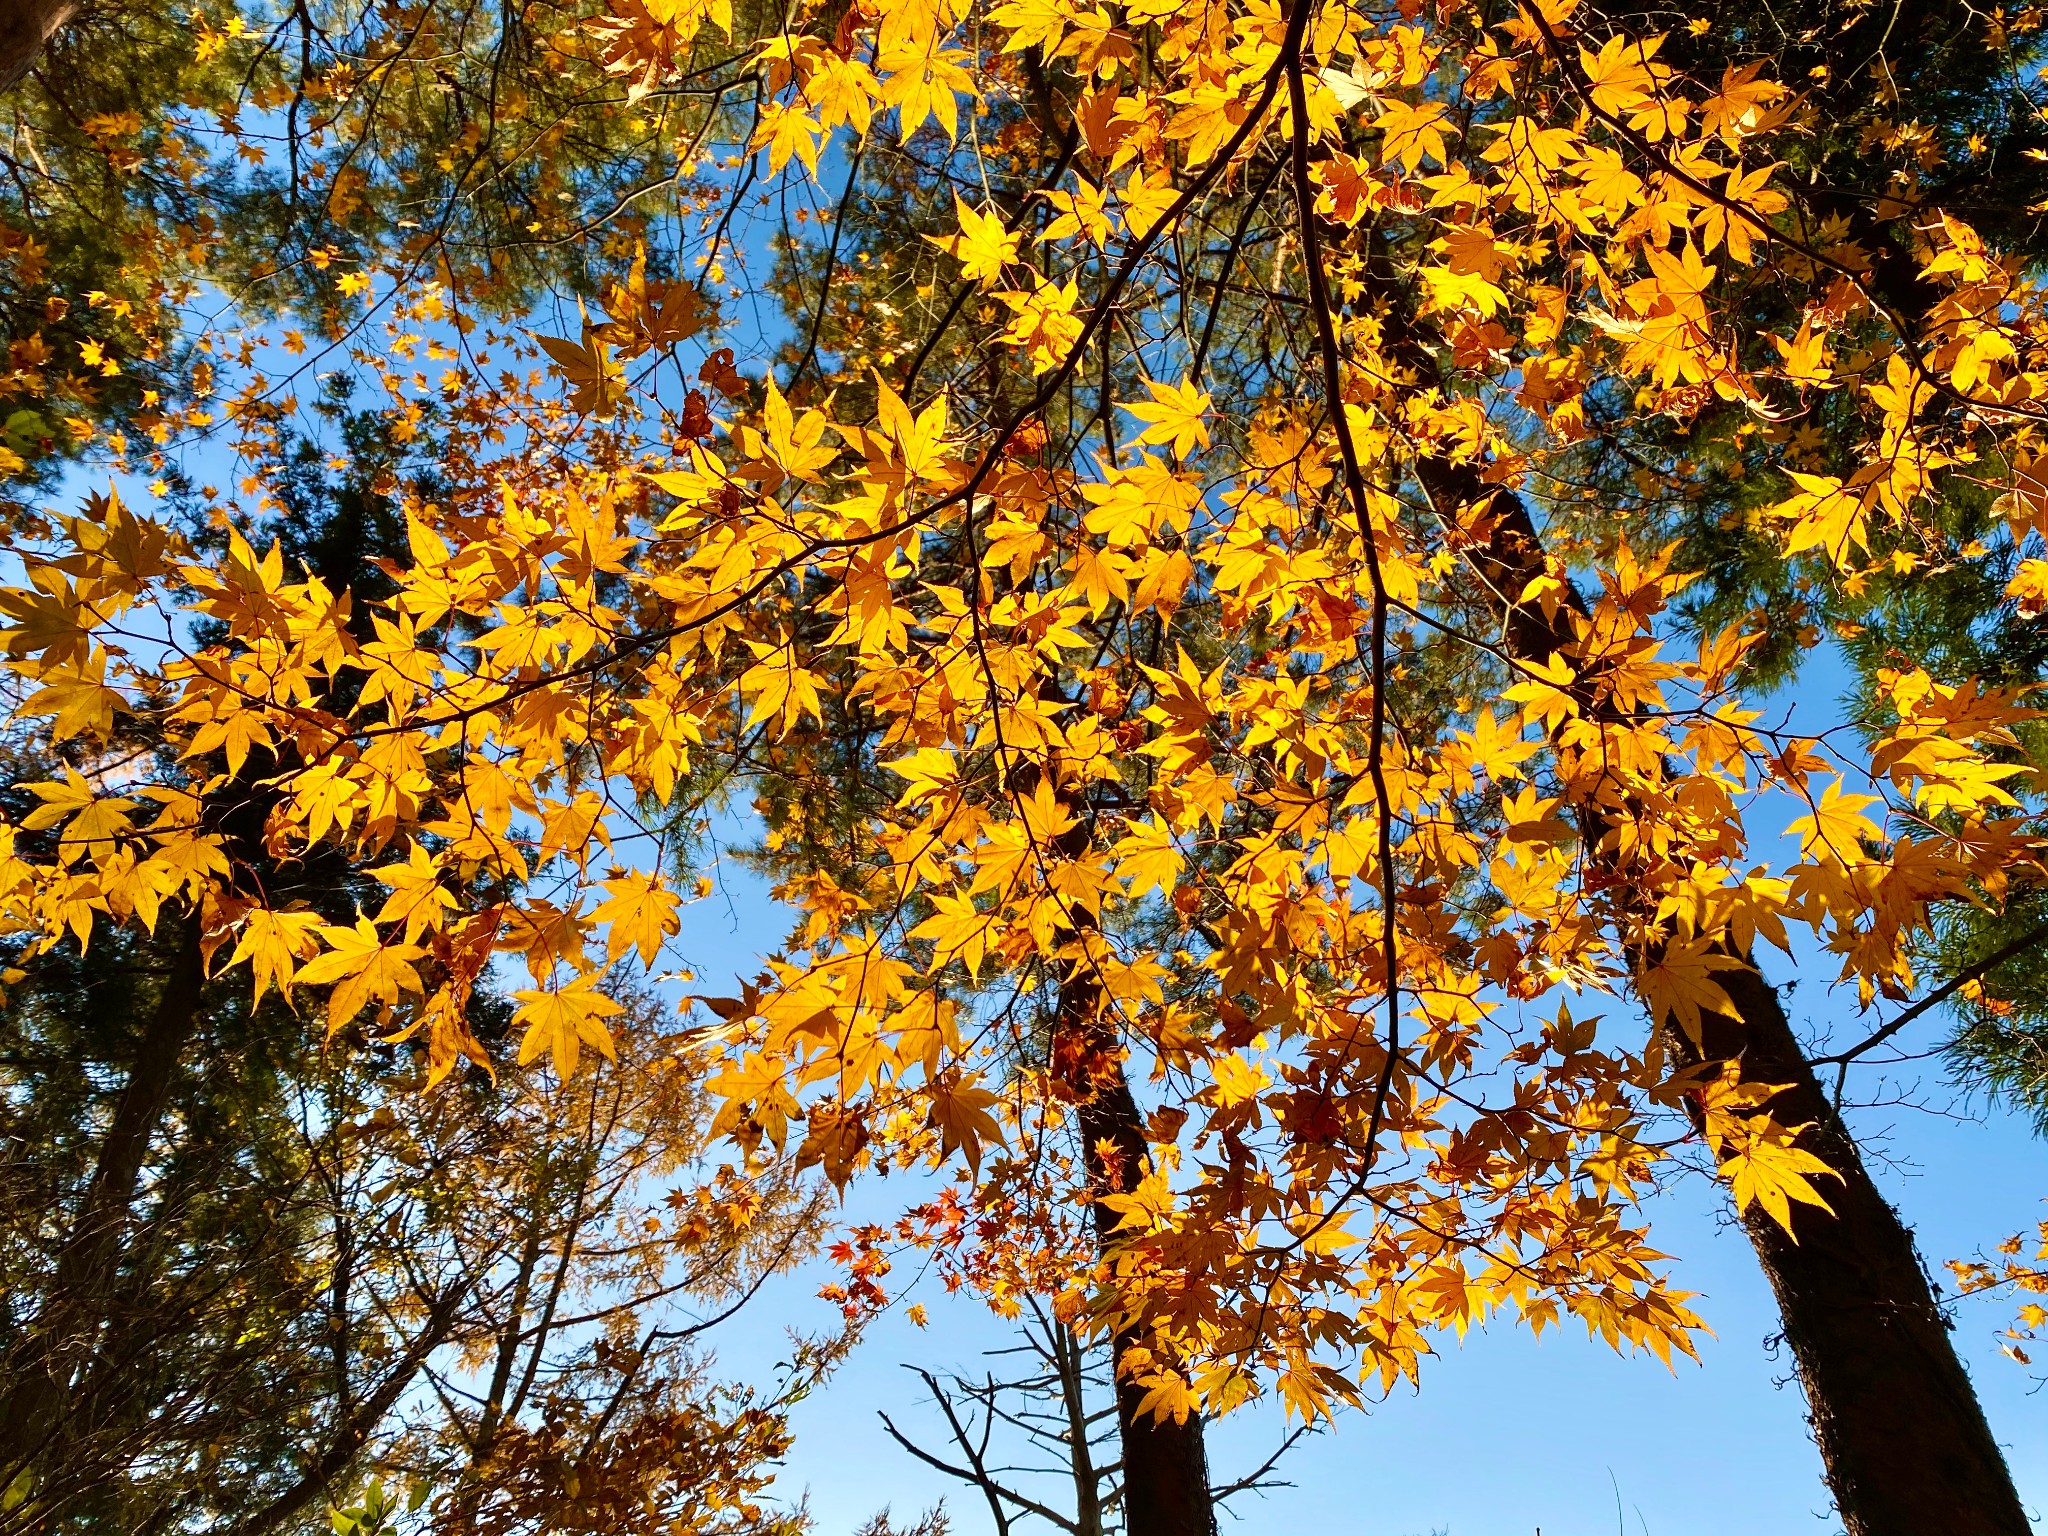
(1681, 983)
(1546, 692)
(1146, 856)
(1099, 577)
(959, 1112)
(1825, 515)
(364, 969)
(62, 798)
(1837, 828)
(562, 1021)
(597, 382)
(1033, 23)
(1174, 416)
(79, 698)
(1237, 1081)
(1167, 1396)
(983, 246)
(778, 685)
(1764, 1165)
(2029, 587)
(92, 824)
(1084, 212)
(1412, 134)
(788, 130)
(958, 931)
(273, 943)
(756, 1101)
(932, 772)
(642, 915)
(1622, 74)
(417, 898)
(1805, 355)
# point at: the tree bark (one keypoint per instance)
(26, 27)
(1900, 1429)
(1165, 1463)
(1904, 1441)
(1903, 1438)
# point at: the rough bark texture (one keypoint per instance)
(1901, 1433)
(1165, 1464)
(26, 26)
(1906, 1444)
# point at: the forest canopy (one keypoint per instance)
(1233, 567)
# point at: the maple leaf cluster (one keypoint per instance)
(1232, 850)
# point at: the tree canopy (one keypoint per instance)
(1228, 557)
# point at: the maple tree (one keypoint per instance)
(1952, 127)
(1214, 710)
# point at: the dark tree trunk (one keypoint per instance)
(1165, 1463)
(1904, 1440)
(1907, 1447)
(26, 27)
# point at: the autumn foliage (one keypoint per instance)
(1277, 849)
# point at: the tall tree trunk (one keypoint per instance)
(1905, 1442)
(26, 27)
(1166, 1464)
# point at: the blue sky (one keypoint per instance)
(1508, 1434)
